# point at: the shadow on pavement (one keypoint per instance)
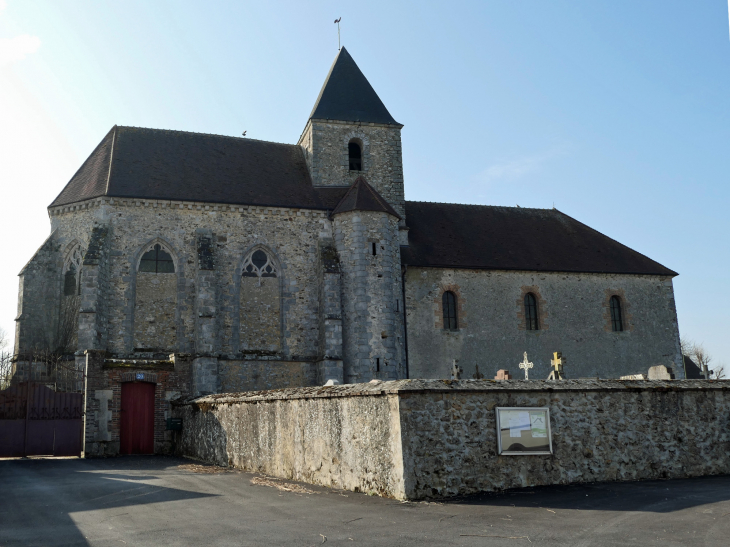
(38, 497)
(650, 496)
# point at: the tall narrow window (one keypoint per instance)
(157, 260)
(156, 300)
(260, 305)
(449, 305)
(70, 284)
(617, 322)
(355, 156)
(531, 322)
(72, 273)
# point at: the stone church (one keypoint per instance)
(269, 265)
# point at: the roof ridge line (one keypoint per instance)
(111, 158)
(481, 205)
(203, 134)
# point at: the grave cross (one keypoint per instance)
(526, 366)
(557, 363)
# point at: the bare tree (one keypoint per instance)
(4, 339)
(702, 358)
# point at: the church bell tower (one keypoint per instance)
(351, 134)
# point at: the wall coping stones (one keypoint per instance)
(190, 205)
(147, 364)
(404, 387)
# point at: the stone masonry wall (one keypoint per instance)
(325, 149)
(373, 344)
(601, 431)
(38, 299)
(155, 327)
(414, 439)
(350, 443)
(574, 319)
(291, 235)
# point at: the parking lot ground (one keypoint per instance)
(156, 501)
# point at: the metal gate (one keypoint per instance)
(35, 418)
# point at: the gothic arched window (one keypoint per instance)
(259, 265)
(355, 155)
(448, 301)
(155, 304)
(617, 322)
(72, 273)
(260, 305)
(157, 260)
(531, 322)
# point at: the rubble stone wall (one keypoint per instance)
(39, 296)
(414, 439)
(291, 235)
(372, 329)
(325, 146)
(351, 443)
(574, 319)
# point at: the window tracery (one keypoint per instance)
(72, 272)
(259, 264)
(157, 260)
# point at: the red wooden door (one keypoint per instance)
(138, 418)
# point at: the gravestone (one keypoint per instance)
(455, 371)
(503, 374)
(660, 372)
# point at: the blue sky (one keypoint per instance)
(616, 112)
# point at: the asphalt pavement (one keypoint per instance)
(157, 501)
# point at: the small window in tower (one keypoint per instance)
(617, 322)
(375, 249)
(377, 364)
(531, 322)
(449, 305)
(355, 154)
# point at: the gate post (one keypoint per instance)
(97, 394)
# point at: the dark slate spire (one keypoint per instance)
(347, 96)
(363, 197)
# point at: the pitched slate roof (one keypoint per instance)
(513, 238)
(348, 96)
(173, 165)
(363, 197)
(141, 163)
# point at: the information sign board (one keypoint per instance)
(523, 431)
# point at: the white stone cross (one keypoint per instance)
(526, 366)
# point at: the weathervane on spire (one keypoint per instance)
(338, 32)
